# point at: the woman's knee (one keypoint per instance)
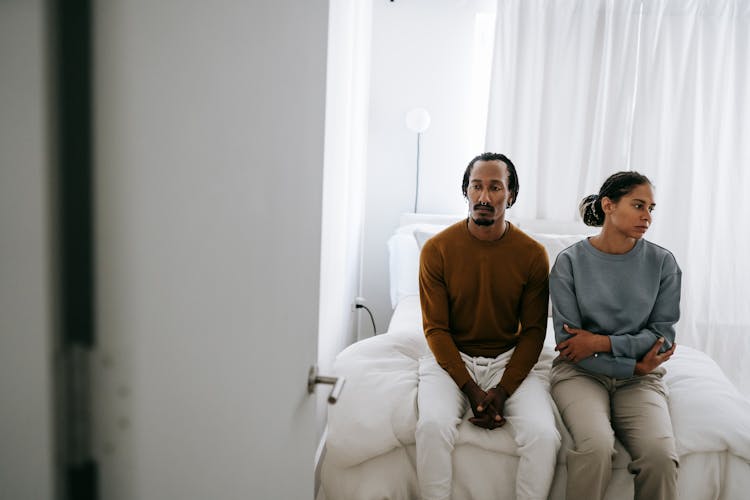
(600, 446)
(658, 455)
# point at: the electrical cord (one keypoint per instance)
(374, 329)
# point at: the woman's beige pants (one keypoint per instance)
(595, 409)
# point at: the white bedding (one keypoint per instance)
(370, 450)
(370, 444)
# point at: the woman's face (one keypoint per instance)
(631, 215)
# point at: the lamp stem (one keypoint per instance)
(416, 189)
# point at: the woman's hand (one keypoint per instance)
(582, 344)
(652, 358)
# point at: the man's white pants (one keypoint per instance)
(529, 418)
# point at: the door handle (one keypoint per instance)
(337, 382)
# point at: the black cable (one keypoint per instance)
(362, 306)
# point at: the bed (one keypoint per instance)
(370, 451)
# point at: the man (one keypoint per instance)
(484, 291)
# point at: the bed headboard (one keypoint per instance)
(405, 244)
(548, 226)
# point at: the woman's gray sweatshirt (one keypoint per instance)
(633, 297)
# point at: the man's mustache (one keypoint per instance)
(486, 207)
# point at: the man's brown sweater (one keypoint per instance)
(483, 298)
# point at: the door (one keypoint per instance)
(209, 121)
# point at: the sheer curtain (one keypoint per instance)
(691, 129)
(561, 97)
(584, 88)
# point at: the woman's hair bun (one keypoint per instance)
(591, 211)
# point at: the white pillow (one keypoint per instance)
(406, 244)
(427, 228)
(403, 267)
(554, 244)
(403, 248)
(421, 236)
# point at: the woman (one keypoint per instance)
(615, 300)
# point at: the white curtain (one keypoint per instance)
(347, 98)
(561, 97)
(691, 130)
(584, 88)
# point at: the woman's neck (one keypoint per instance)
(612, 241)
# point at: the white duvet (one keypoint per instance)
(377, 411)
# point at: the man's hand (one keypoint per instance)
(486, 406)
(494, 399)
(582, 344)
(652, 358)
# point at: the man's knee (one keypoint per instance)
(538, 437)
(438, 427)
(548, 436)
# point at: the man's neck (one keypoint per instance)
(488, 233)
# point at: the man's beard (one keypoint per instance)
(483, 222)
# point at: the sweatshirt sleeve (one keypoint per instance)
(661, 321)
(533, 318)
(565, 311)
(433, 296)
(564, 302)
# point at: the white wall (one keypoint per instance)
(422, 56)
(26, 318)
